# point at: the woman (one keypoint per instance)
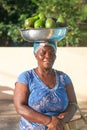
(43, 96)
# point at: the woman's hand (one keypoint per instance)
(55, 124)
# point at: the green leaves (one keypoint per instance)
(71, 11)
(12, 16)
(14, 13)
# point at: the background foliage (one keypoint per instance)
(13, 14)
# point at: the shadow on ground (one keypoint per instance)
(9, 119)
(6, 93)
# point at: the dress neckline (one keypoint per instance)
(56, 84)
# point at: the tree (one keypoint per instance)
(12, 16)
(14, 13)
(71, 10)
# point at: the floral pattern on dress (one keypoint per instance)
(43, 99)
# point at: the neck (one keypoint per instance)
(45, 70)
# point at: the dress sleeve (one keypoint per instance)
(67, 79)
(23, 78)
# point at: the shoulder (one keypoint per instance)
(26, 73)
(25, 76)
(62, 73)
(64, 76)
(59, 72)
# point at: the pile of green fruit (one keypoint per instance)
(41, 21)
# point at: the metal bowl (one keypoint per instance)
(43, 34)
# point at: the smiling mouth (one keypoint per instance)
(48, 62)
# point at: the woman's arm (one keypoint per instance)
(58, 122)
(70, 111)
(21, 94)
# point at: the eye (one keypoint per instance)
(42, 52)
(52, 53)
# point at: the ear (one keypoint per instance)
(35, 54)
(55, 57)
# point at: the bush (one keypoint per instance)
(12, 16)
(71, 10)
(14, 13)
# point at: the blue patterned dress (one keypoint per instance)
(43, 99)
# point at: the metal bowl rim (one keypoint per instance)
(37, 29)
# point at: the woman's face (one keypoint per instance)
(45, 57)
